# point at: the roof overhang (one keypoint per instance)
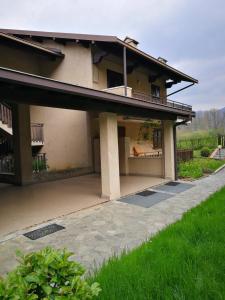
(35, 90)
(13, 40)
(110, 42)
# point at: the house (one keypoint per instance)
(78, 104)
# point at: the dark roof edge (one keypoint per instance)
(63, 87)
(61, 35)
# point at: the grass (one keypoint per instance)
(197, 140)
(197, 153)
(197, 167)
(184, 261)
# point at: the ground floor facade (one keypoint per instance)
(103, 143)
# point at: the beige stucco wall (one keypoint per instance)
(66, 135)
(146, 166)
(136, 140)
(75, 68)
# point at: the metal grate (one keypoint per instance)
(41, 232)
(146, 193)
(146, 201)
(172, 183)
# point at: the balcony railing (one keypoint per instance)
(39, 163)
(6, 164)
(37, 133)
(120, 90)
(161, 101)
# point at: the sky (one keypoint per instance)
(190, 34)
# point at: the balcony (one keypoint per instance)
(120, 90)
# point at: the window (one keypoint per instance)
(155, 90)
(114, 79)
(157, 138)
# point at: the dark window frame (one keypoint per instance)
(114, 79)
(157, 138)
(155, 91)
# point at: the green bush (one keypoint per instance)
(48, 275)
(205, 152)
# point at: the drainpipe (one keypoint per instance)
(175, 144)
(125, 70)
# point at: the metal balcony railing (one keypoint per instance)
(39, 163)
(161, 101)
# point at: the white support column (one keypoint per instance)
(22, 143)
(109, 156)
(169, 150)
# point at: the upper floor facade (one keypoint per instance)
(103, 63)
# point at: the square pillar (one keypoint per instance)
(22, 143)
(168, 145)
(110, 176)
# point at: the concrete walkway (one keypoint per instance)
(97, 233)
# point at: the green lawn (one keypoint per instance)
(197, 167)
(184, 261)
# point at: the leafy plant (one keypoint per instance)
(39, 165)
(49, 275)
(205, 152)
(197, 167)
(145, 131)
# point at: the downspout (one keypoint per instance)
(175, 144)
(125, 70)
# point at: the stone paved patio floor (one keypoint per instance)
(97, 233)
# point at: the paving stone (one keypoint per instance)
(96, 234)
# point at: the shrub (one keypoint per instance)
(205, 152)
(49, 275)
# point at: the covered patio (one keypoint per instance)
(22, 207)
(25, 205)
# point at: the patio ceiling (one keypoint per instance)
(22, 87)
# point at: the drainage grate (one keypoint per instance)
(174, 187)
(146, 201)
(172, 183)
(146, 193)
(41, 232)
